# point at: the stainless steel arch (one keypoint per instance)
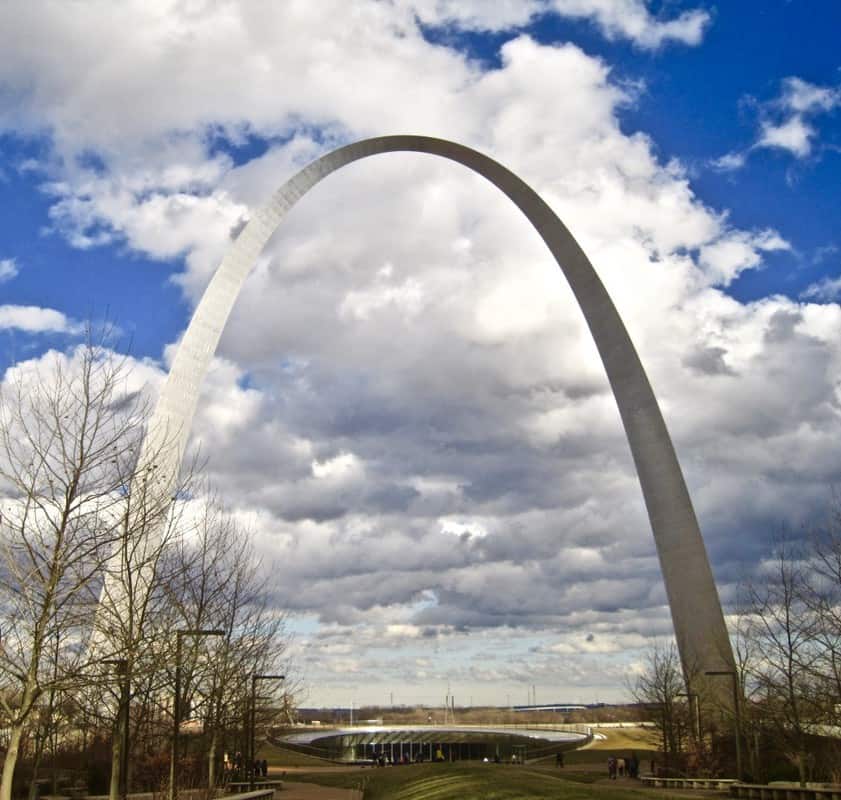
(699, 625)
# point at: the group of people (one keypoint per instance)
(234, 765)
(619, 767)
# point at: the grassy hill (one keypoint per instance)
(472, 781)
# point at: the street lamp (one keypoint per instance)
(736, 715)
(176, 709)
(253, 755)
(122, 671)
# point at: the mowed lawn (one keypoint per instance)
(620, 742)
(472, 781)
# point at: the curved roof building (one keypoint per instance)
(398, 743)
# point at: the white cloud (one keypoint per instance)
(8, 269)
(34, 319)
(593, 643)
(788, 122)
(729, 255)
(794, 135)
(406, 359)
(616, 19)
(476, 14)
(827, 289)
(404, 298)
(803, 97)
(729, 162)
(631, 19)
(341, 466)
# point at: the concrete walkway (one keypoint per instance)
(310, 791)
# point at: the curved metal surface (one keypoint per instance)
(700, 631)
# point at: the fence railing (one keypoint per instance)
(785, 791)
(719, 784)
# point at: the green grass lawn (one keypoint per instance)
(619, 742)
(474, 781)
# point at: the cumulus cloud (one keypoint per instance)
(34, 319)
(407, 408)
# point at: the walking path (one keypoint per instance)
(311, 791)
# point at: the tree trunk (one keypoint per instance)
(36, 763)
(211, 761)
(116, 750)
(10, 761)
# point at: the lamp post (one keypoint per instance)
(123, 722)
(252, 754)
(736, 715)
(176, 708)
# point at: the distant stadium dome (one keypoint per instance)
(428, 742)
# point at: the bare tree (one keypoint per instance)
(660, 686)
(135, 619)
(821, 593)
(224, 587)
(63, 432)
(783, 631)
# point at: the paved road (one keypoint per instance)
(310, 791)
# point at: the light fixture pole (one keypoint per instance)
(252, 753)
(736, 715)
(176, 708)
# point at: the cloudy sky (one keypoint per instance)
(406, 408)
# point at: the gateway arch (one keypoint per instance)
(700, 630)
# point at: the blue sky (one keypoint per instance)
(696, 103)
(490, 525)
